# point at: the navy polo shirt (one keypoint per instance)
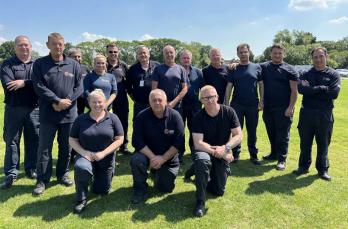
(169, 79)
(54, 81)
(106, 82)
(135, 75)
(216, 77)
(276, 79)
(14, 69)
(196, 82)
(216, 130)
(159, 134)
(96, 136)
(119, 71)
(244, 79)
(324, 87)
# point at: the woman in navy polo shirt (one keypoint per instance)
(100, 79)
(95, 136)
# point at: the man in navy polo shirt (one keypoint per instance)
(120, 105)
(320, 86)
(158, 136)
(191, 103)
(138, 79)
(215, 74)
(57, 82)
(280, 95)
(245, 79)
(21, 112)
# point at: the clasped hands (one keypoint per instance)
(220, 152)
(63, 104)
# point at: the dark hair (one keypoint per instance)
(318, 48)
(278, 46)
(243, 45)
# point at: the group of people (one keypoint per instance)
(51, 94)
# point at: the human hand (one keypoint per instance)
(15, 85)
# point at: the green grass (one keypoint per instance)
(256, 197)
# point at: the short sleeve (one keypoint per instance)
(75, 129)
(197, 123)
(118, 129)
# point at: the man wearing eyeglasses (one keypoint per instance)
(120, 105)
(215, 131)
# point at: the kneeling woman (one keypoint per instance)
(95, 136)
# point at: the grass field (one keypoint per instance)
(256, 197)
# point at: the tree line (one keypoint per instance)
(297, 43)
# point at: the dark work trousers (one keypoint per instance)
(251, 117)
(164, 177)
(318, 124)
(120, 107)
(179, 108)
(211, 175)
(81, 105)
(44, 163)
(101, 171)
(16, 120)
(188, 112)
(278, 131)
(137, 107)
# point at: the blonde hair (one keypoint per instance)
(95, 93)
(206, 88)
(99, 56)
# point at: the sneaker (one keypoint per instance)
(80, 206)
(280, 166)
(65, 180)
(8, 182)
(200, 209)
(325, 176)
(39, 189)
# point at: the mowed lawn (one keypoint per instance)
(256, 196)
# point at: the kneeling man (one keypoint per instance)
(158, 135)
(215, 131)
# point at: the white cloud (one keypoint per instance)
(146, 37)
(92, 37)
(2, 40)
(40, 48)
(302, 5)
(340, 20)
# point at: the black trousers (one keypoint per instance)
(164, 177)
(251, 117)
(120, 107)
(81, 105)
(18, 119)
(188, 112)
(211, 175)
(278, 131)
(101, 171)
(318, 124)
(44, 163)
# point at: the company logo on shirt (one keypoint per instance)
(68, 74)
(167, 131)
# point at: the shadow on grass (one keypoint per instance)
(51, 209)
(15, 191)
(244, 168)
(284, 184)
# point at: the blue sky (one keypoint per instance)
(220, 23)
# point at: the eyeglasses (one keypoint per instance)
(113, 51)
(209, 98)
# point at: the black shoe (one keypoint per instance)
(281, 166)
(200, 209)
(65, 180)
(39, 189)
(8, 182)
(269, 157)
(138, 198)
(80, 206)
(31, 174)
(255, 161)
(300, 171)
(324, 176)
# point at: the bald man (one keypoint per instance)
(158, 136)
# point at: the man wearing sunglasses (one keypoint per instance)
(215, 131)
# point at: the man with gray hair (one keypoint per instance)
(21, 112)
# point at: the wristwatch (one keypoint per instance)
(228, 149)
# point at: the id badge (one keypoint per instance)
(141, 83)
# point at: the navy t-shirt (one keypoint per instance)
(216, 130)
(119, 71)
(159, 134)
(96, 136)
(276, 83)
(244, 79)
(106, 83)
(216, 77)
(169, 79)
